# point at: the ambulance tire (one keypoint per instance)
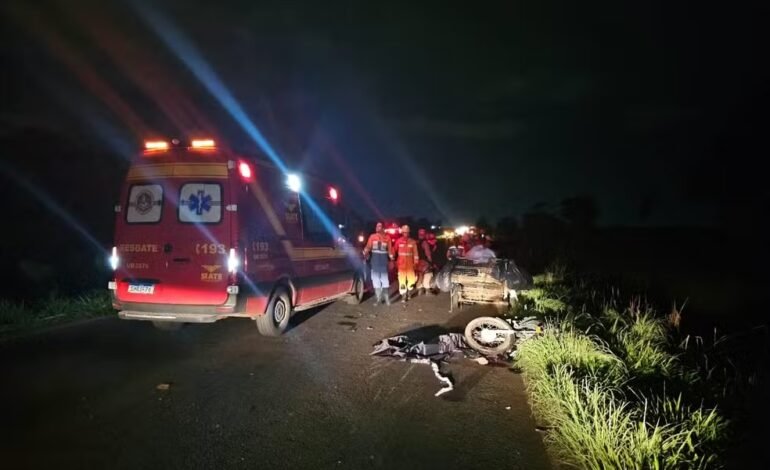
(276, 319)
(357, 296)
(167, 325)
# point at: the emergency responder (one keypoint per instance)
(407, 259)
(425, 266)
(381, 249)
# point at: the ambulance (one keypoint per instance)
(203, 234)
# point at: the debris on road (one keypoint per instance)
(440, 347)
(434, 353)
(448, 387)
(163, 386)
(482, 360)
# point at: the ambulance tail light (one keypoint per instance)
(245, 171)
(155, 146)
(233, 262)
(114, 259)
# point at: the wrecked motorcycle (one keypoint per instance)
(493, 336)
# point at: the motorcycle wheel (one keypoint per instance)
(497, 347)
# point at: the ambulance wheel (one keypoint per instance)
(167, 325)
(276, 319)
(357, 296)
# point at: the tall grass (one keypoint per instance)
(593, 426)
(16, 316)
(613, 387)
(641, 339)
(579, 352)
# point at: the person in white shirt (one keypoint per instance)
(481, 253)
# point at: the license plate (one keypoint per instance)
(140, 289)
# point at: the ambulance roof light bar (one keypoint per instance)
(155, 145)
(203, 144)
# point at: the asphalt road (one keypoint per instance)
(86, 396)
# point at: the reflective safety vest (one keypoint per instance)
(408, 255)
(381, 248)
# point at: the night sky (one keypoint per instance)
(657, 110)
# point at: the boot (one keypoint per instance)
(386, 296)
(377, 294)
(422, 291)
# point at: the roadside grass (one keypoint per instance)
(621, 387)
(17, 317)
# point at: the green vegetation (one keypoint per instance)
(621, 387)
(16, 317)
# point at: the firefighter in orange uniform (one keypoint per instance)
(408, 257)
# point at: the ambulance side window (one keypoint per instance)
(313, 226)
(145, 204)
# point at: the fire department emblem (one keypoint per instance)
(144, 202)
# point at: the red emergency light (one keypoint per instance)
(244, 169)
(333, 194)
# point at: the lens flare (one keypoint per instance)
(294, 182)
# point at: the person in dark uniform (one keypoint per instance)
(380, 247)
